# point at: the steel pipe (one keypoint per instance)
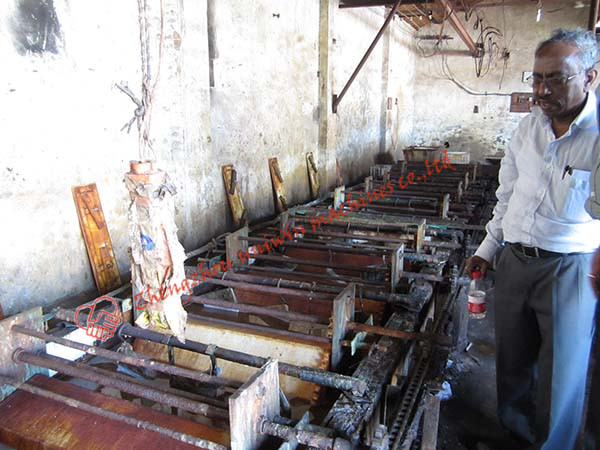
(129, 359)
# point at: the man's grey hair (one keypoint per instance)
(584, 40)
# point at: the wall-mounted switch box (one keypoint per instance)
(521, 102)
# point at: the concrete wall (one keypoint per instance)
(367, 132)
(238, 82)
(445, 112)
(265, 96)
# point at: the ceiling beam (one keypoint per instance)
(459, 27)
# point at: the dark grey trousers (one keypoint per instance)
(544, 311)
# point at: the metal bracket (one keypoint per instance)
(343, 312)
(445, 206)
(234, 245)
(256, 398)
(397, 267)
(420, 236)
(368, 184)
(360, 337)
(33, 319)
(338, 197)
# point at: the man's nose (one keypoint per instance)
(541, 90)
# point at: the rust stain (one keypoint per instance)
(176, 40)
(33, 422)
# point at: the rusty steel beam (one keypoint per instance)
(142, 424)
(251, 309)
(399, 334)
(320, 377)
(307, 288)
(304, 437)
(73, 369)
(317, 376)
(306, 262)
(129, 359)
(459, 27)
(338, 98)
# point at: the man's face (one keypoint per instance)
(552, 62)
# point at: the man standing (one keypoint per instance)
(545, 239)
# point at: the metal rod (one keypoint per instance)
(252, 309)
(320, 377)
(306, 262)
(183, 437)
(405, 274)
(266, 289)
(70, 368)
(327, 245)
(133, 360)
(304, 437)
(364, 222)
(270, 330)
(323, 277)
(311, 287)
(399, 334)
(338, 98)
(153, 385)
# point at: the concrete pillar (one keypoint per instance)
(384, 122)
(327, 120)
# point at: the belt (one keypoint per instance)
(536, 252)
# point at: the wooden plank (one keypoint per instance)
(234, 195)
(430, 423)
(313, 176)
(96, 237)
(278, 188)
(257, 398)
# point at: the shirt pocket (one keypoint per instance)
(575, 195)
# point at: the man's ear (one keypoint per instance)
(590, 77)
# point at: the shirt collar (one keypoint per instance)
(585, 119)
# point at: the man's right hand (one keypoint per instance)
(595, 274)
(476, 263)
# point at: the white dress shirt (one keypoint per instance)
(540, 203)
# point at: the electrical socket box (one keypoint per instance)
(521, 102)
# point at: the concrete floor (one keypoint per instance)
(470, 415)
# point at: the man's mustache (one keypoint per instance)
(536, 100)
